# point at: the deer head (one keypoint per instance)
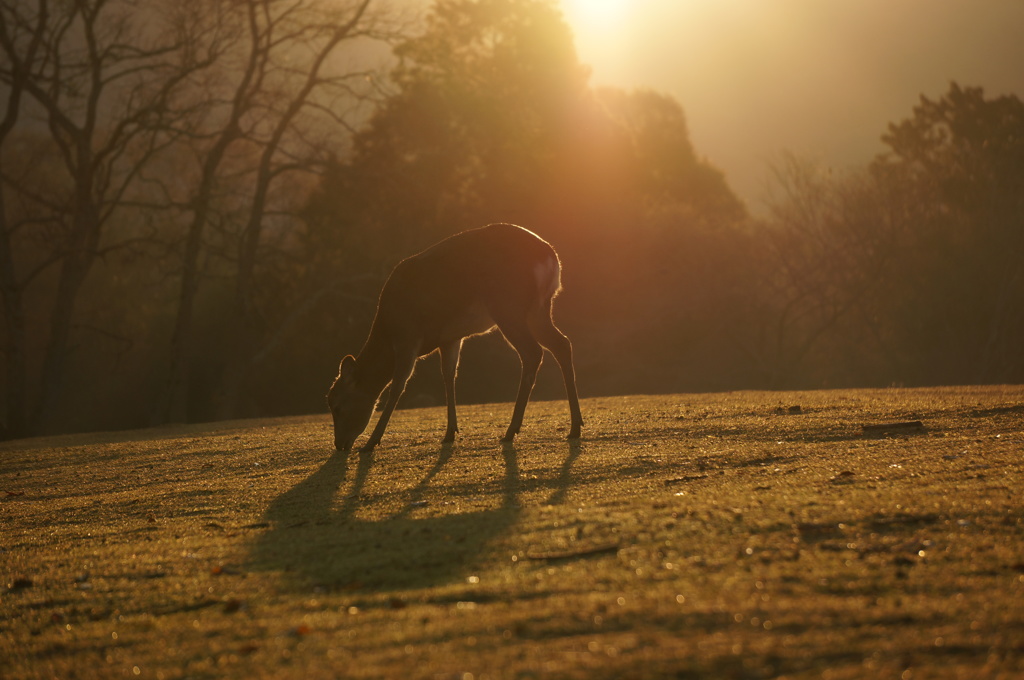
(350, 405)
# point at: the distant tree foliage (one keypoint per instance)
(912, 271)
(962, 158)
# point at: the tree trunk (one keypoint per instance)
(16, 370)
(86, 233)
(172, 404)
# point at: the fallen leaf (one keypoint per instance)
(535, 554)
(233, 605)
(224, 570)
(889, 428)
(20, 584)
(686, 478)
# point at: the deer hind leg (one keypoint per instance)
(405, 362)
(530, 354)
(449, 367)
(545, 331)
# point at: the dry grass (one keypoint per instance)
(686, 536)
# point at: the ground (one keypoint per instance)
(739, 535)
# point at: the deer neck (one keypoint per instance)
(376, 362)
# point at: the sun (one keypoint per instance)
(595, 15)
(604, 33)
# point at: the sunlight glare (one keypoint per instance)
(596, 14)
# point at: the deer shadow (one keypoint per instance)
(321, 536)
(563, 482)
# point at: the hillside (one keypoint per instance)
(739, 535)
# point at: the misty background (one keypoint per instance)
(200, 200)
(818, 79)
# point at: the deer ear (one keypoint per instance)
(346, 371)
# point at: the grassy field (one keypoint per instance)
(740, 535)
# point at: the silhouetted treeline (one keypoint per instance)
(911, 271)
(202, 232)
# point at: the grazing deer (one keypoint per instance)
(499, 276)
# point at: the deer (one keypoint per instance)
(500, 276)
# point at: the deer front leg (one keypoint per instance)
(404, 364)
(530, 354)
(449, 367)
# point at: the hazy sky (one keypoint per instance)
(821, 78)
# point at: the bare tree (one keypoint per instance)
(94, 78)
(830, 241)
(287, 88)
(113, 93)
(20, 45)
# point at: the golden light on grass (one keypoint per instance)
(696, 535)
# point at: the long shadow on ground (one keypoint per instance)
(316, 531)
